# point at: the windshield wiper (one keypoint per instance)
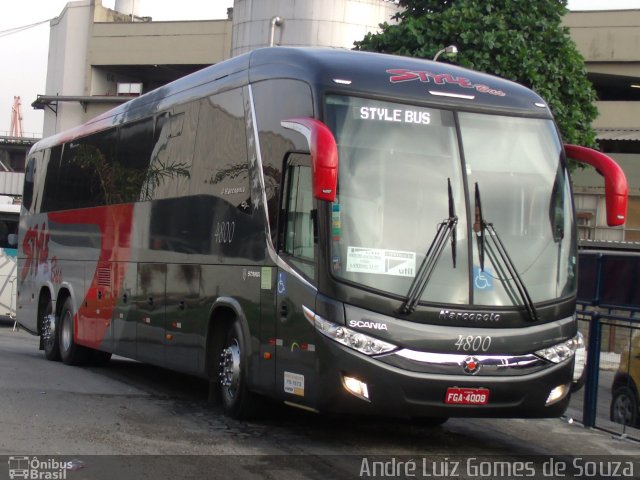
(452, 215)
(502, 258)
(446, 230)
(479, 227)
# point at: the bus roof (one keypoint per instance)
(331, 69)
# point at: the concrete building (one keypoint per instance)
(99, 57)
(610, 44)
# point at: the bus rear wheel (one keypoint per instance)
(70, 351)
(49, 333)
(237, 401)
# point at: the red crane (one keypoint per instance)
(16, 118)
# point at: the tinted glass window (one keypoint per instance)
(52, 165)
(82, 176)
(29, 180)
(299, 235)
(129, 170)
(220, 162)
(396, 164)
(172, 153)
(275, 101)
(105, 168)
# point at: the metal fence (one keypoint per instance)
(609, 318)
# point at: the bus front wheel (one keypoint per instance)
(237, 401)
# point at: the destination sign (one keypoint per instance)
(399, 115)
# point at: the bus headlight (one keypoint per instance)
(562, 351)
(356, 340)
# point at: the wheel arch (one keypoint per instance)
(223, 311)
(45, 296)
(624, 380)
(62, 296)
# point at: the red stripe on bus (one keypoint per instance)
(94, 315)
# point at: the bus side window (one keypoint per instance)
(130, 168)
(276, 100)
(299, 235)
(29, 180)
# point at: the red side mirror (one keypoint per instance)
(615, 182)
(324, 155)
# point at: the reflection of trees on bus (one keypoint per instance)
(158, 173)
(120, 183)
(117, 182)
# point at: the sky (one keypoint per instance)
(24, 54)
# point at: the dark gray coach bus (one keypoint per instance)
(337, 230)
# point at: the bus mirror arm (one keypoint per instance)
(615, 181)
(324, 155)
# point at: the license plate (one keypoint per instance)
(467, 396)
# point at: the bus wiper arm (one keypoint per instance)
(503, 255)
(452, 214)
(479, 227)
(446, 230)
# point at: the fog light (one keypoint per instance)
(557, 394)
(356, 387)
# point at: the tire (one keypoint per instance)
(237, 401)
(70, 352)
(49, 336)
(624, 406)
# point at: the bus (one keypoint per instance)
(340, 231)
(9, 218)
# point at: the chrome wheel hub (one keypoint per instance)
(49, 328)
(230, 368)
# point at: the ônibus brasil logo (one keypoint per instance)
(34, 469)
(399, 75)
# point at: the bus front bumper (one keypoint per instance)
(360, 384)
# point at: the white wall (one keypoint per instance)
(66, 72)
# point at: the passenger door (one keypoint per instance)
(295, 285)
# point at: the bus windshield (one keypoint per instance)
(396, 162)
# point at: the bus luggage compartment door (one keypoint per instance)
(151, 305)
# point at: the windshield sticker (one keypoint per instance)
(399, 75)
(382, 262)
(482, 279)
(336, 226)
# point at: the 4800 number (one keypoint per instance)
(224, 232)
(473, 343)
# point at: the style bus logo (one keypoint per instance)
(34, 469)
